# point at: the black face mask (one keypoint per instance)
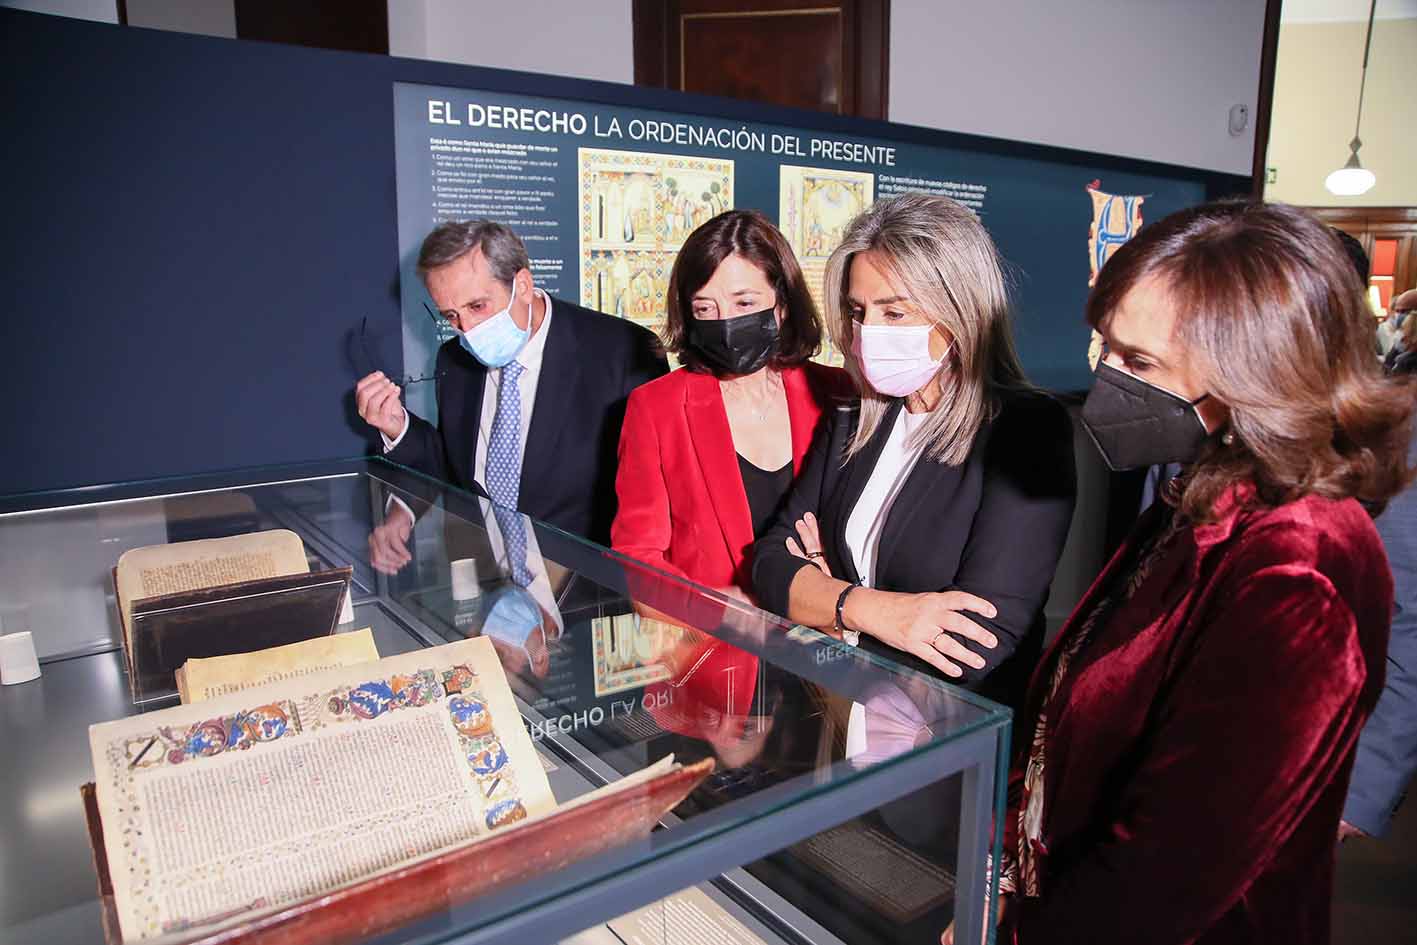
(1138, 424)
(738, 345)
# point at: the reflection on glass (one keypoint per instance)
(715, 693)
(614, 666)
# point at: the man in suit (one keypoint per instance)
(1386, 758)
(531, 392)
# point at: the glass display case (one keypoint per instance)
(852, 800)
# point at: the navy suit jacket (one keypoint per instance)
(1387, 749)
(589, 366)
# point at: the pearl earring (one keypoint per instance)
(1228, 438)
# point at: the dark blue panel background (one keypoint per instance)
(192, 226)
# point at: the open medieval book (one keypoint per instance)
(275, 809)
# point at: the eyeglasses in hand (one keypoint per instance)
(362, 354)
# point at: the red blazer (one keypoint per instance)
(682, 507)
(1199, 748)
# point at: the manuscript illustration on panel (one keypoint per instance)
(636, 209)
(1116, 218)
(815, 205)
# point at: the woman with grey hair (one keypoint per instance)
(936, 510)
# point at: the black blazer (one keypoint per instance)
(589, 366)
(993, 526)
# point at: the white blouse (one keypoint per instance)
(868, 517)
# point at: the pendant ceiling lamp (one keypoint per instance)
(1353, 179)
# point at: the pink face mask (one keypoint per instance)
(895, 359)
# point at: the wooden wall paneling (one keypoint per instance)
(826, 55)
(793, 57)
(1371, 223)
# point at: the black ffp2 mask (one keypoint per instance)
(1137, 424)
(738, 345)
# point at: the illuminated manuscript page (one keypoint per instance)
(201, 679)
(252, 801)
(209, 562)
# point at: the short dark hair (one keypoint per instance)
(454, 239)
(1356, 253)
(751, 235)
(1269, 309)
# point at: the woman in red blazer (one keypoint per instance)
(708, 452)
(1186, 744)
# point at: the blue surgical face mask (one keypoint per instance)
(497, 340)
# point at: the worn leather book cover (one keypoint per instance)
(386, 902)
(162, 633)
(175, 567)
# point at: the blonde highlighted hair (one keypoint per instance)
(942, 257)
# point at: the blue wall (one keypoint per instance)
(192, 226)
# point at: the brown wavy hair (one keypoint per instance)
(1269, 308)
(752, 236)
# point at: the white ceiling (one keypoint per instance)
(1339, 11)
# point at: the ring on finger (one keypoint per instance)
(816, 554)
(936, 639)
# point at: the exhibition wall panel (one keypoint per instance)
(194, 227)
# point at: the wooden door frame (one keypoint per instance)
(1264, 103)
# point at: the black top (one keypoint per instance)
(766, 490)
(993, 526)
(590, 364)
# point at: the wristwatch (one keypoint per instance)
(848, 636)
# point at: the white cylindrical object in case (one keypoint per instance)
(18, 662)
(465, 585)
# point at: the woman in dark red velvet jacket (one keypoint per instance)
(1187, 741)
(708, 452)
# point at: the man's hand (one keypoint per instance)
(1346, 830)
(388, 542)
(377, 399)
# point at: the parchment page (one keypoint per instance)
(689, 915)
(201, 679)
(208, 562)
(255, 800)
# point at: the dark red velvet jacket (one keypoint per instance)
(682, 507)
(1199, 749)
